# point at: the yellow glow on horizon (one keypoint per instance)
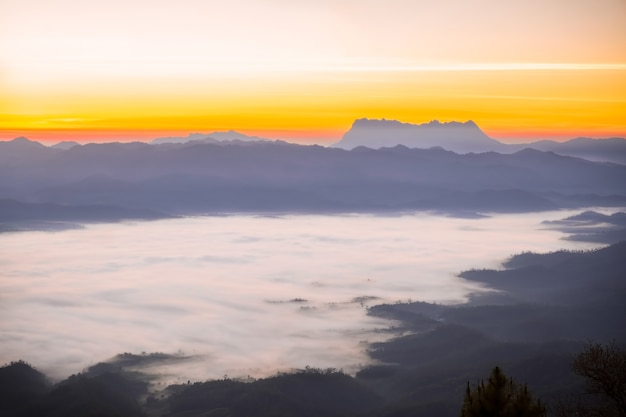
(556, 102)
(306, 70)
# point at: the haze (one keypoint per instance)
(241, 295)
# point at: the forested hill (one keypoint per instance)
(544, 310)
(197, 178)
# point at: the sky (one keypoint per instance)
(304, 70)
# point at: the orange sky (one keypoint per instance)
(304, 70)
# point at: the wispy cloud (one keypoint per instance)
(496, 66)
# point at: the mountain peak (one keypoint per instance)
(22, 139)
(24, 143)
(455, 136)
(365, 122)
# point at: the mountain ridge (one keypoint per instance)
(215, 137)
(455, 136)
(197, 178)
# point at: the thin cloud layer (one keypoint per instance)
(240, 295)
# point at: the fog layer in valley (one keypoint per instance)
(239, 295)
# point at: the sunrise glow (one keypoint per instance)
(304, 71)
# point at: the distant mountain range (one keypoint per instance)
(453, 136)
(379, 165)
(215, 137)
(131, 180)
(18, 215)
(458, 137)
(468, 137)
(609, 150)
(65, 145)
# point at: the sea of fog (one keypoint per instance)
(239, 295)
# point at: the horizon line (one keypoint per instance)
(513, 140)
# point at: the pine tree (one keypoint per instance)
(500, 397)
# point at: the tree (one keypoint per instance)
(500, 397)
(604, 366)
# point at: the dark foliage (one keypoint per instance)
(20, 387)
(307, 393)
(500, 397)
(105, 395)
(604, 367)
